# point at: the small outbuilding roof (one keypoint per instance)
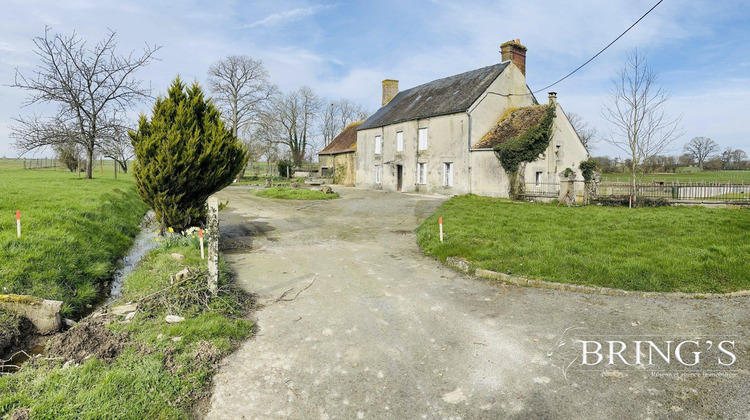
(440, 97)
(513, 124)
(345, 142)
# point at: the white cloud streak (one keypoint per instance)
(289, 16)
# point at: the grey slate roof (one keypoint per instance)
(440, 97)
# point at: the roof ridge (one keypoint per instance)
(444, 96)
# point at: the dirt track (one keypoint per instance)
(357, 323)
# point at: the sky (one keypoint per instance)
(344, 49)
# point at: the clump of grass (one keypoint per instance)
(665, 249)
(73, 233)
(261, 180)
(288, 193)
(153, 376)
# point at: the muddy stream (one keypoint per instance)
(142, 244)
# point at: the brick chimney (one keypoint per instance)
(390, 89)
(515, 52)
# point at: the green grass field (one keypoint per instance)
(73, 231)
(153, 377)
(687, 249)
(705, 176)
(288, 193)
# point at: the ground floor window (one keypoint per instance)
(422, 173)
(448, 174)
(377, 174)
(538, 179)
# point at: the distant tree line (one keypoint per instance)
(699, 152)
(276, 125)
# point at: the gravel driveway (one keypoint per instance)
(355, 322)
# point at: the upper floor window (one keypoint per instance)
(378, 145)
(400, 141)
(422, 139)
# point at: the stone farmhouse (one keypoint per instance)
(439, 137)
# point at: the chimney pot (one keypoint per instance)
(553, 98)
(514, 51)
(390, 89)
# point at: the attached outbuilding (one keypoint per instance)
(338, 159)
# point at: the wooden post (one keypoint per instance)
(213, 244)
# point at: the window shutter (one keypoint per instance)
(422, 139)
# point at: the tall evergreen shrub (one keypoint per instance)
(184, 153)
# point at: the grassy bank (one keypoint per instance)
(289, 193)
(688, 249)
(73, 232)
(700, 176)
(144, 368)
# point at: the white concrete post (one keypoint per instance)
(213, 244)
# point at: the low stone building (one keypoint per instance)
(338, 159)
(439, 137)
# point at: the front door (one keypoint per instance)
(399, 177)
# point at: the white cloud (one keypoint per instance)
(289, 16)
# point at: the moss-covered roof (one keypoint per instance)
(512, 124)
(345, 142)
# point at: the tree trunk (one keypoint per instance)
(90, 163)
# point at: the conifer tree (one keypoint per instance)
(184, 153)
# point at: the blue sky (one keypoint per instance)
(344, 49)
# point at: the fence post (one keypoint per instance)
(213, 244)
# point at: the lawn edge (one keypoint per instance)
(463, 265)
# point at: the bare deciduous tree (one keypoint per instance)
(294, 114)
(118, 146)
(93, 88)
(585, 132)
(701, 148)
(240, 86)
(639, 124)
(338, 115)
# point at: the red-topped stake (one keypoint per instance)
(200, 236)
(18, 223)
(440, 221)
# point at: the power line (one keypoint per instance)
(603, 49)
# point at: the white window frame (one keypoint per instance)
(400, 141)
(447, 174)
(378, 145)
(422, 142)
(421, 173)
(378, 170)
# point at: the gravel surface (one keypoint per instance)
(355, 322)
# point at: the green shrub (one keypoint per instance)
(285, 168)
(183, 155)
(587, 169)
